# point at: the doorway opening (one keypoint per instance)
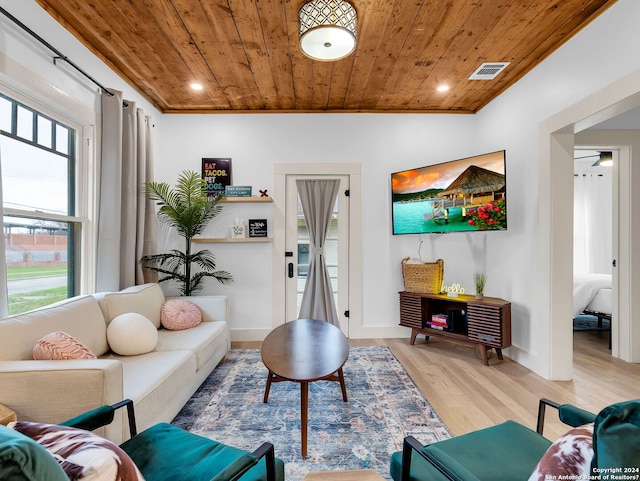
(290, 243)
(557, 142)
(595, 209)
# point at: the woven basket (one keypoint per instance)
(425, 278)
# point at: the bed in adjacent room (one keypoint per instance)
(592, 295)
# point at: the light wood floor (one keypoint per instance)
(468, 395)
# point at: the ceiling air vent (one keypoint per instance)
(488, 70)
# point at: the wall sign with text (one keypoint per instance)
(257, 227)
(216, 173)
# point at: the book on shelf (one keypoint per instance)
(434, 325)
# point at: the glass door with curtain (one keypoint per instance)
(336, 253)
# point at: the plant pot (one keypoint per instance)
(479, 296)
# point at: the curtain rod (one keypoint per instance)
(60, 55)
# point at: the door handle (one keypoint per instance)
(290, 267)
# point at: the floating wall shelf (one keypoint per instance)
(253, 198)
(238, 200)
(231, 239)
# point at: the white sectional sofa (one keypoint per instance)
(159, 382)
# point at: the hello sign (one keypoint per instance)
(453, 290)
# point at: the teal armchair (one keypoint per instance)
(511, 451)
(162, 452)
(165, 452)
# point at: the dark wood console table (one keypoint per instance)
(485, 323)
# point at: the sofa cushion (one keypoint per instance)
(421, 469)
(213, 308)
(157, 380)
(179, 314)
(203, 340)
(23, 459)
(509, 451)
(132, 334)
(569, 457)
(81, 454)
(199, 459)
(61, 346)
(79, 317)
(146, 299)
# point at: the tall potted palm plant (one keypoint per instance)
(188, 209)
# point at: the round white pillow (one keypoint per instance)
(131, 334)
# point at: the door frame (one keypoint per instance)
(556, 142)
(280, 173)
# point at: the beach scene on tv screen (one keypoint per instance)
(461, 195)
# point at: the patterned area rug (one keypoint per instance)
(384, 406)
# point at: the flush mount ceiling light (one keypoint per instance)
(327, 29)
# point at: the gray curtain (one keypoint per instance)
(126, 220)
(318, 198)
(4, 303)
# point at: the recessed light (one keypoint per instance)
(442, 88)
(196, 86)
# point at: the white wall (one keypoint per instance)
(381, 143)
(587, 65)
(517, 261)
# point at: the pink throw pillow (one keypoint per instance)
(61, 346)
(179, 314)
(569, 457)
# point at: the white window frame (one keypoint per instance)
(85, 191)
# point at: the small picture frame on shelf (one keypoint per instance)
(257, 227)
(238, 230)
(237, 191)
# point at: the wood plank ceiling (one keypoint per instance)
(246, 53)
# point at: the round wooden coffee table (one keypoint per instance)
(304, 351)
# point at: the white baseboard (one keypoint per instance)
(377, 332)
(249, 334)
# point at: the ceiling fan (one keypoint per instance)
(604, 158)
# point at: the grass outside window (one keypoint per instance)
(27, 301)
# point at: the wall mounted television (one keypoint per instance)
(461, 195)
